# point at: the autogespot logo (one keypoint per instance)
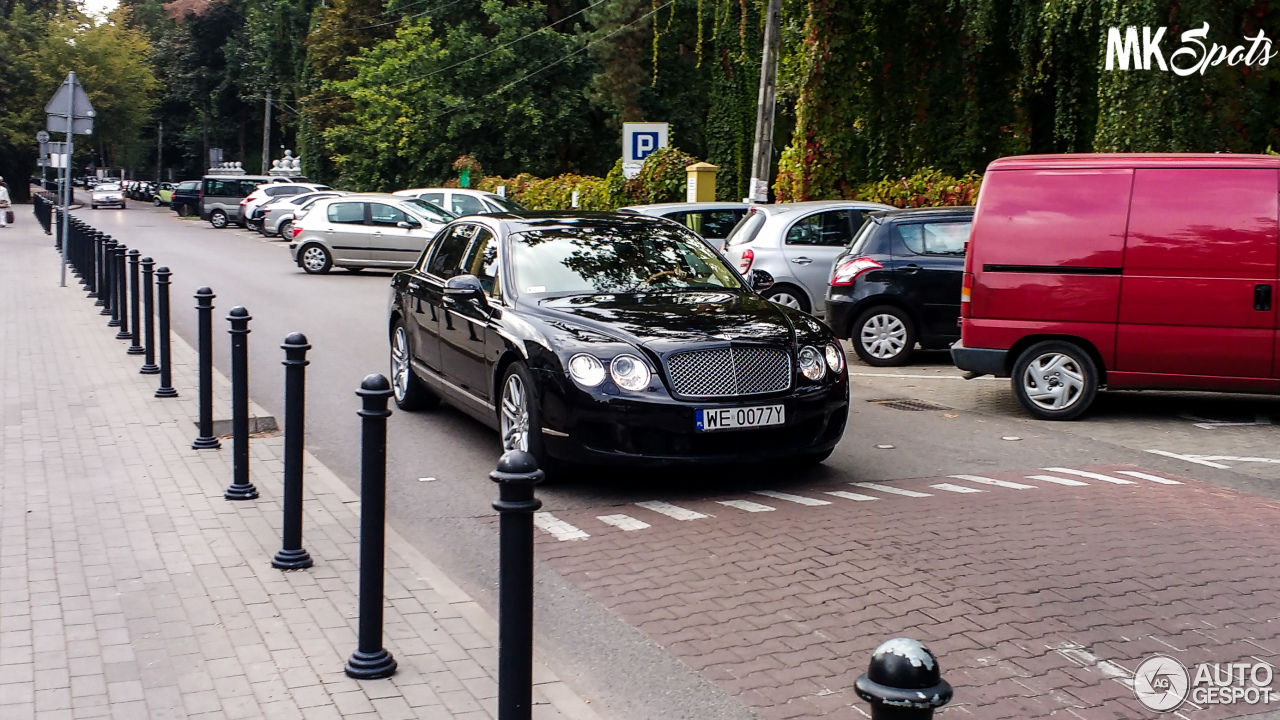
(1163, 684)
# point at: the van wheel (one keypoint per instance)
(788, 295)
(1055, 380)
(884, 336)
(315, 259)
(218, 219)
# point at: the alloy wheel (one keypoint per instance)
(515, 415)
(784, 298)
(400, 364)
(313, 258)
(883, 336)
(1053, 381)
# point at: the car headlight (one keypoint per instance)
(630, 372)
(811, 363)
(586, 370)
(835, 357)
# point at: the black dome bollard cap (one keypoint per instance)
(375, 383)
(296, 339)
(904, 673)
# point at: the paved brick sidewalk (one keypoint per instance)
(129, 588)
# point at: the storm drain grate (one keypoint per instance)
(910, 405)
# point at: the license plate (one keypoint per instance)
(711, 419)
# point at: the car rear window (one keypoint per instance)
(746, 229)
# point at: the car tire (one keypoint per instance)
(790, 296)
(409, 392)
(95, 207)
(1055, 380)
(884, 336)
(510, 410)
(156, 202)
(123, 206)
(218, 219)
(183, 211)
(285, 230)
(315, 259)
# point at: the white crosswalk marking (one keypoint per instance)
(997, 483)
(1091, 475)
(626, 523)
(955, 488)
(1146, 476)
(672, 511)
(851, 496)
(798, 499)
(1058, 480)
(891, 490)
(557, 528)
(746, 505)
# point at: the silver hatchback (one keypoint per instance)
(367, 230)
(796, 243)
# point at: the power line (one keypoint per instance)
(428, 11)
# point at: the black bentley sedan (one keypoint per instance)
(602, 338)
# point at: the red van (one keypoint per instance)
(1122, 271)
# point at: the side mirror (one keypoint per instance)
(409, 224)
(465, 287)
(760, 280)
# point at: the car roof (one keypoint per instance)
(778, 209)
(899, 213)
(566, 220)
(670, 207)
(467, 191)
(1134, 160)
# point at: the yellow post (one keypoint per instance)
(702, 182)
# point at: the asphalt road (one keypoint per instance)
(449, 516)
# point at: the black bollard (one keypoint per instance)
(120, 305)
(204, 333)
(108, 276)
(166, 361)
(903, 682)
(516, 474)
(371, 660)
(241, 488)
(92, 252)
(291, 555)
(102, 270)
(149, 366)
(135, 336)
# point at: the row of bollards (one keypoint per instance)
(903, 681)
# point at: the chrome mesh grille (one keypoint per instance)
(724, 372)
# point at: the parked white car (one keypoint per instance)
(275, 216)
(268, 191)
(461, 202)
(796, 243)
(107, 194)
(367, 230)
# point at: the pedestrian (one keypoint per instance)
(5, 212)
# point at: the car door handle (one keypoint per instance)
(801, 260)
(1262, 296)
(414, 286)
(910, 269)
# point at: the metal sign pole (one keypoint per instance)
(66, 203)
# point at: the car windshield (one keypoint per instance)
(616, 258)
(432, 212)
(506, 204)
(109, 187)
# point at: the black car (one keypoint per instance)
(612, 339)
(186, 198)
(899, 282)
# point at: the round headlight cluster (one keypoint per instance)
(586, 370)
(812, 365)
(630, 372)
(835, 357)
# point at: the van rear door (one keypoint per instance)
(1197, 295)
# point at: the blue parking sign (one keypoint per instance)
(639, 141)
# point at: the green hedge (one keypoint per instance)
(662, 178)
(927, 188)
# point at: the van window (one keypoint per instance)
(939, 238)
(220, 187)
(346, 212)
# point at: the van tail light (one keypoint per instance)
(966, 295)
(744, 264)
(849, 270)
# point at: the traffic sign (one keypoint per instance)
(639, 140)
(70, 100)
(42, 137)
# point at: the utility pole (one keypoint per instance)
(266, 135)
(159, 154)
(760, 159)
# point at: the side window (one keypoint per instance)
(829, 229)
(385, 214)
(274, 191)
(346, 212)
(466, 204)
(435, 198)
(481, 260)
(715, 224)
(942, 238)
(246, 187)
(447, 260)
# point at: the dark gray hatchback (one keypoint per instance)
(899, 282)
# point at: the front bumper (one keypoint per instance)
(594, 428)
(981, 361)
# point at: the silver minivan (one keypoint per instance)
(366, 230)
(796, 243)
